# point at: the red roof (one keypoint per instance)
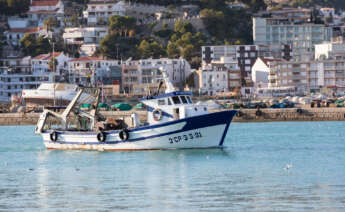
(37, 3)
(46, 56)
(87, 58)
(266, 60)
(26, 30)
(42, 11)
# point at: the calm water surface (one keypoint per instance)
(247, 175)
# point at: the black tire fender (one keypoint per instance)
(258, 113)
(53, 136)
(124, 134)
(239, 114)
(101, 136)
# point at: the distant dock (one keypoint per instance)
(244, 115)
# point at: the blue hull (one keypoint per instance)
(189, 124)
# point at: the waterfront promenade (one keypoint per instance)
(244, 115)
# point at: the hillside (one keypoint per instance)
(338, 4)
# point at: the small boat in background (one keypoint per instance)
(48, 93)
(173, 122)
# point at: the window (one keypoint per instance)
(189, 100)
(161, 101)
(176, 100)
(184, 100)
(169, 102)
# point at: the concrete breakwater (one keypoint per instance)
(244, 115)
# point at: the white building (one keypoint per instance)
(16, 75)
(40, 64)
(213, 80)
(221, 75)
(14, 35)
(301, 35)
(139, 74)
(326, 12)
(100, 10)
(330, 50)
(85, 35)
(90, 70)
(261, 71)
(40, 10)
(245, 55)
(88, 38)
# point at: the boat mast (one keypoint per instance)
(169, 86)
(53, 74)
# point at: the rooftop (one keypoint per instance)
(88, 58)
(38, 3)
(42, 11)
(47, 56)
(26, 30)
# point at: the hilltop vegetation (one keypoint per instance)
(13, 7)
(337, 4)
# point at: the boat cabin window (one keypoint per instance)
(176, 100)
(184, 100)
(189, 100)
(161, 101)
(169, 102)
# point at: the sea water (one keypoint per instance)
(276, 166)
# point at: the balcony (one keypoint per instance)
(329, 76)
(340, 75)
(296, 77)
(329, 67)
(272, 77)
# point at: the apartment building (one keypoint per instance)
(245, 55)
(296, 31)
(16, 74)
(221, 75)
(138, 76)
(330, 50)
(87, 38)
(41, 62)
(262, 72)
(99, 11)
(15, 35)
(40, 10)
(305, 77)
(91, 71)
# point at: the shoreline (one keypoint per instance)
(244, 115)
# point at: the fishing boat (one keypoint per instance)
(173, 122)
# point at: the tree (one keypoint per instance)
(50, 23)
(173, 50)
(116, 47)
(182, 27)
(150, 49)
(43, 45)
(28, 44)
(189, 81)
(33, 47)
(122, 25)
(74, 20)
(14, 7)
(213, 4)
(52, 64)
(188, 51)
